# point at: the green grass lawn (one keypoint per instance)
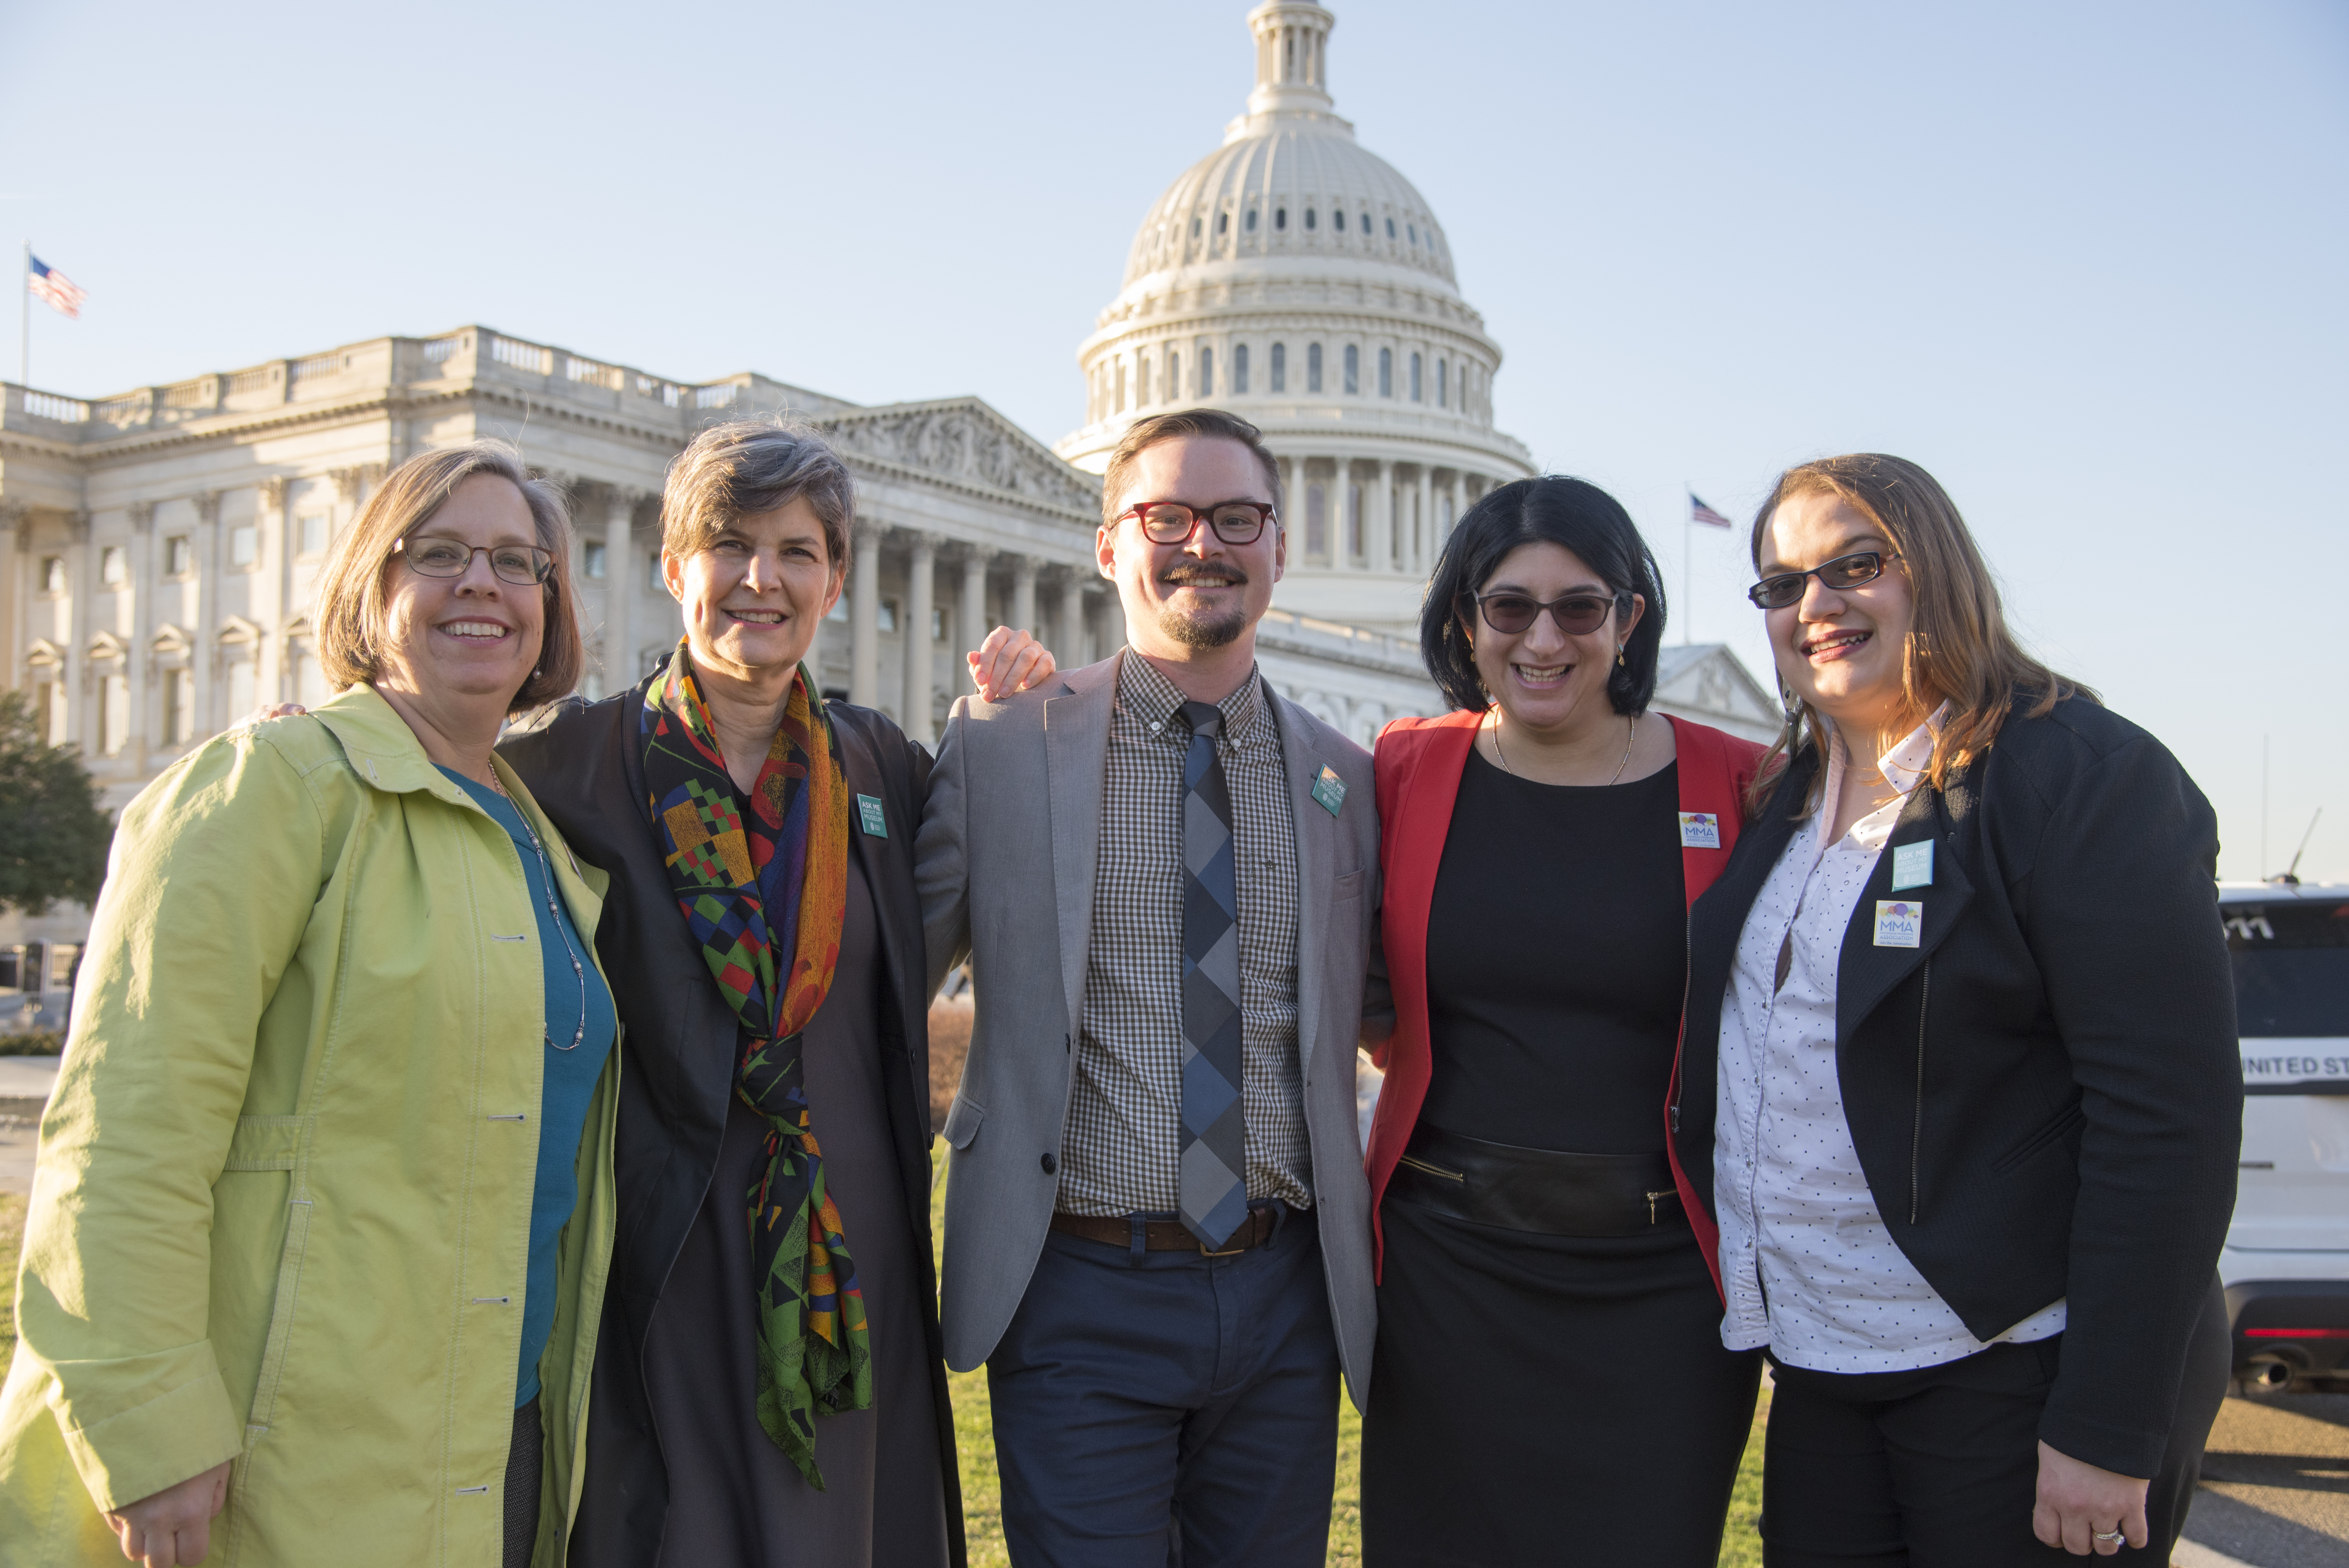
(982, 1501)
(982, 1496)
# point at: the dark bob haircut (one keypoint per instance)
(1555, 509)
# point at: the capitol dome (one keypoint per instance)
(1296, 278)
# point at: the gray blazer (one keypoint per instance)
(1005, 869)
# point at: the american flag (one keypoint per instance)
(56, 290)
(1700, 512)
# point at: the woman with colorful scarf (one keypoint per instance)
(768, 1387)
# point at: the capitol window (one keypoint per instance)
(1309, 217)
(1173, 377)
(1195, 228)
(1280, 217)
(1366, 223)
(179, 559)
(1391, 228)
(244, 545)
(53, 573)
(1353, 370)
(591, 561)
(1414, 230)
(113, 566)
(1414, 378)
(1440, 389)
(1317, 522)
(314, 530)
(1337, 219)
(1222, 223)
(1207, 373)
(1313, 368)
(1251, 220)
(1240, 368)
(1281, 367)
(1386, 372)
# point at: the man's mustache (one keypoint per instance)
(1204, 576)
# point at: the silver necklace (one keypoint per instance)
(547, 875)
(1503, 756)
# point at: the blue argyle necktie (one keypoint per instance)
(1214, 1143)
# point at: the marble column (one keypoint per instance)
(1423, 528)
(205, 626)
(1023, 593)
(82, 600)
(921, 583)
(138, 655)
(1113, 619)
(15, 560)
(621, 570)
(970, 616)
(864, 620)
(1383, 548)
(271, 548)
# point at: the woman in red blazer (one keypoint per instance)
(1550, 1367)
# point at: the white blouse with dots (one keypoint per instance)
(1806, 1262)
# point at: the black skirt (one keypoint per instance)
(1549, 1400)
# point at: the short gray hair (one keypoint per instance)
(745, 467)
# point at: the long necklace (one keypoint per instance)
(546, 876)
(1503, 756)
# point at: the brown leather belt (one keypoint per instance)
(1169, 1235)
(1541, 1192)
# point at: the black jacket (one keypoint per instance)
(2045, 1093)
(584, 765)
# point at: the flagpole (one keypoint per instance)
(24, 319)
(1688, 563)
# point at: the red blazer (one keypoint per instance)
(1418, 764)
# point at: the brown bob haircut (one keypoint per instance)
(351, 597)
(745, 467)
(1959, 651)
(1144, 433)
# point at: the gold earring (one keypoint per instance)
(1619, 654)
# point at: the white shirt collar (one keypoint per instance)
(1907, 761)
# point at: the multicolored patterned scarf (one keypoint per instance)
(777, 883)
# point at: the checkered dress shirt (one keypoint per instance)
(1120, 1155)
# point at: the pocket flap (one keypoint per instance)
(962, 1121)
(266, 1142)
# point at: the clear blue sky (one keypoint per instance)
(2084, 261)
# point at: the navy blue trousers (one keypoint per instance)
(1157, 1408)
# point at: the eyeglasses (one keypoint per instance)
(1171, 522)
(1844, 572)
(519, 565)
(1576, 614)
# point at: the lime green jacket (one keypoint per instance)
(281, 1213)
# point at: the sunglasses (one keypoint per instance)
(1576, 614)
(1171, 522)
(1844, 572)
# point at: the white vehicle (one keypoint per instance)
(2286, 1262)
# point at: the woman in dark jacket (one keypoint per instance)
(1549, 1376)
(768, 1386)
(1961, 1082)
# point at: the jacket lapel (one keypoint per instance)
(1315, 832)
(1076, 758)
(1867, 972)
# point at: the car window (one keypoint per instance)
(2291, 969)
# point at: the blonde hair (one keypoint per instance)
(351, 599)
(1959, 648)
(745, 467)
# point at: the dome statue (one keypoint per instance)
(1298, 280)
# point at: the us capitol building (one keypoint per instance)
(159, 549)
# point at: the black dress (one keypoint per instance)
(1534, 1398)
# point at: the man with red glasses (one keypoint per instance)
(1164, 874)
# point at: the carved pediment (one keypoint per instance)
(968, 441)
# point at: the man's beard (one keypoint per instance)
(1202, 630)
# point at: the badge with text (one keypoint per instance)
(1899, 924)
(1912, 865)
(1329, 791)
(1699, 830)
(868, 815)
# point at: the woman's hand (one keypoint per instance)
(173, 1528)
(2078, 1502)
(1008, 662)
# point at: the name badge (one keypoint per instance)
(1912, 865)
(1329, 791)
(1899, 924)
(868, 815)
(1699, 830)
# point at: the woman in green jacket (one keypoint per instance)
(318, 1234)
